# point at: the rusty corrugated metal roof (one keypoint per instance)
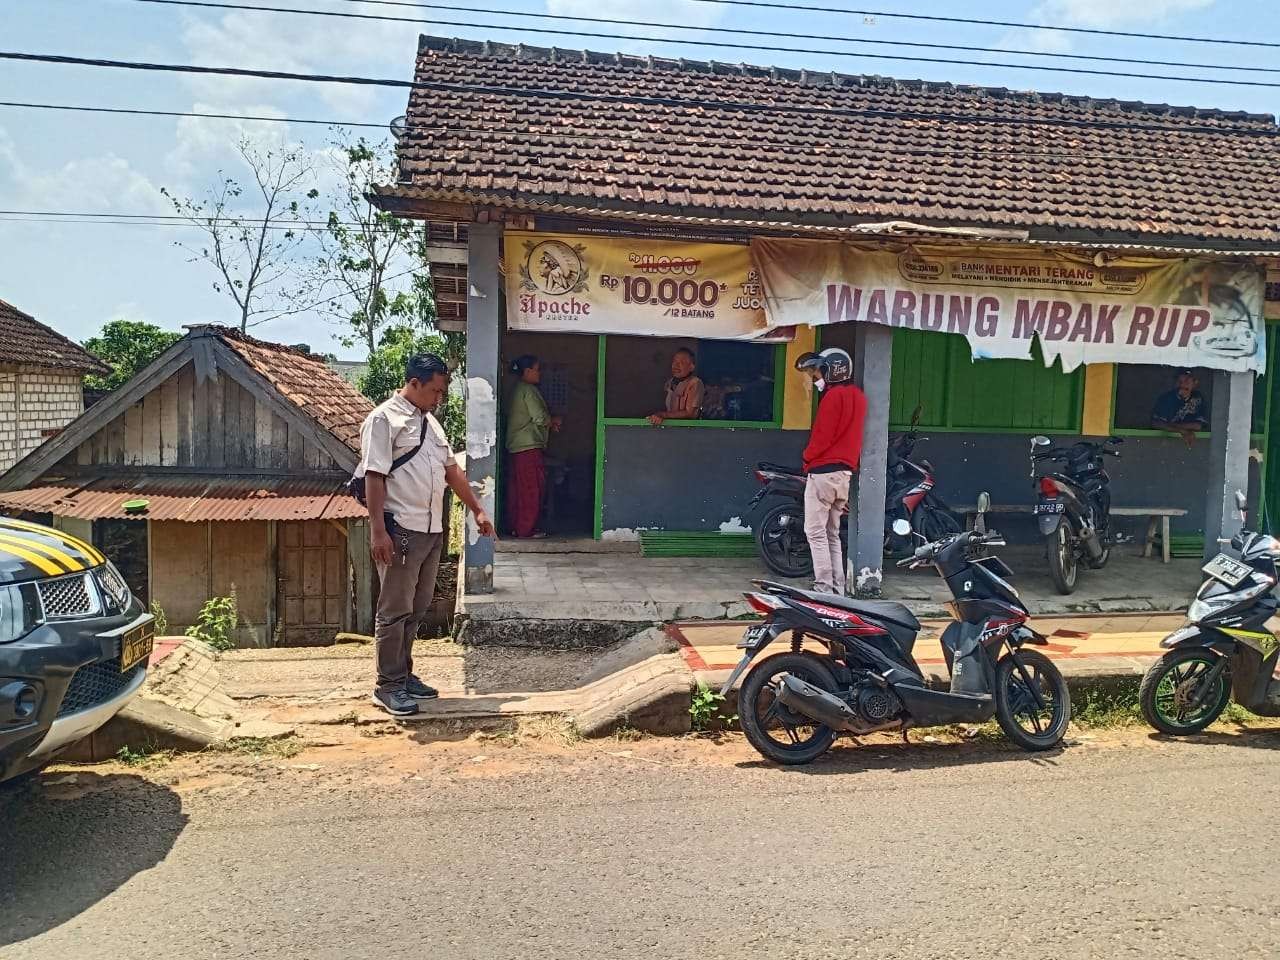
(190, 498)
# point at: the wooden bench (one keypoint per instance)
(1157, 519)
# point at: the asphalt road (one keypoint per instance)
(1109, 849)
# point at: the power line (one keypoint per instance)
(649, 100)
(528, 15)
(830, 137)
(817, 51)
(936, 18)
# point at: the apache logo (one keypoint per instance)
(554, 268)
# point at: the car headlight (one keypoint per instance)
(19, 611)
(113, 586)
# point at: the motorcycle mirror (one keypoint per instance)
(1040, 441)
(901, 527)
(984, 502)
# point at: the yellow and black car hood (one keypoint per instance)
(29, 551)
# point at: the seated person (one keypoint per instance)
(684, 390)
(1183, 410)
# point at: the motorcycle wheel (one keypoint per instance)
(781, 542)
(775, 731)
(935, 523)
(1064, 568)
(1172, 682)
(1029, 726)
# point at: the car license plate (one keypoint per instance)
(136, 645)
(1228, 570)
(1048, 506)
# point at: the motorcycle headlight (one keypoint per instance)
(19, 611)
(1204, 607)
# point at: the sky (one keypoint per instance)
(77, 276)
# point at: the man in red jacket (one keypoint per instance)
(830, 458)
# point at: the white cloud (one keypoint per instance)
(299, 44)
(97, 184)
(1108, 14)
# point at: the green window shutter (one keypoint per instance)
(919, 378)
(936, 371)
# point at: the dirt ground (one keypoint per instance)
(347, 669)
(358, 749)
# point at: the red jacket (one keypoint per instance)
(836, 437)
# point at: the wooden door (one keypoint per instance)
(312, 582)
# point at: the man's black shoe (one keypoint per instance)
(419, 690)
(396, 702)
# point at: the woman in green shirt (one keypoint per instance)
(529, 426)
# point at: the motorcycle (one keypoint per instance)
(1073, 508)
(776, 512)
(1225, 649)
(794, 704)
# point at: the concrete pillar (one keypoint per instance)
(872, 361)
(1229, 443)
(484, 325)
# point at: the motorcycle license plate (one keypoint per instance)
(753, 636)
(1049, 506)
(1227, 570)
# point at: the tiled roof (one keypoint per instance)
(613, 133)
(23, 339)
(306, 381)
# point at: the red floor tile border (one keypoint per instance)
(691, 656)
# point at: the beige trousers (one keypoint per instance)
(826, 497)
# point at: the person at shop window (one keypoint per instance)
(830, 459)
(1183, 410)
(684, 390)
(529, 428)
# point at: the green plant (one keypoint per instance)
(216, 622)
(145, 757)
(162, 621)
(706, 710)
(1105, 709)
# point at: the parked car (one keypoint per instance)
(74, 644)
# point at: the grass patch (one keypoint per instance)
(1105, 709)
(146, 757)
(547, 728)
(627, 734)
(259, 748)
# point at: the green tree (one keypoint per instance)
(126, 346)
(364, 251)
(386, 371)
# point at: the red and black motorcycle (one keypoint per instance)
(776, 513)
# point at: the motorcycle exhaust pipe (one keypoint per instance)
(816, 704)
(1092, 544)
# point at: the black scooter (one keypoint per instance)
(1073, 507)
(793, 705)
(1225, 649)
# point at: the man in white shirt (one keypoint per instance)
(406, 461)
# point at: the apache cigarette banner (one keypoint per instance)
(1132, 310)
(585, 284)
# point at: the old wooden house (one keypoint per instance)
(219, 469)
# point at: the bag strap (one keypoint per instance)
(404, 458)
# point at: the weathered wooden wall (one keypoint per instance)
(214, 424)
(193, 562)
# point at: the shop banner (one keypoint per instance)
(1189, 313)
(587, 284)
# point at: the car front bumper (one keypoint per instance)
(48, 661)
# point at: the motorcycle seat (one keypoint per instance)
(889, 610)
(779, 468)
